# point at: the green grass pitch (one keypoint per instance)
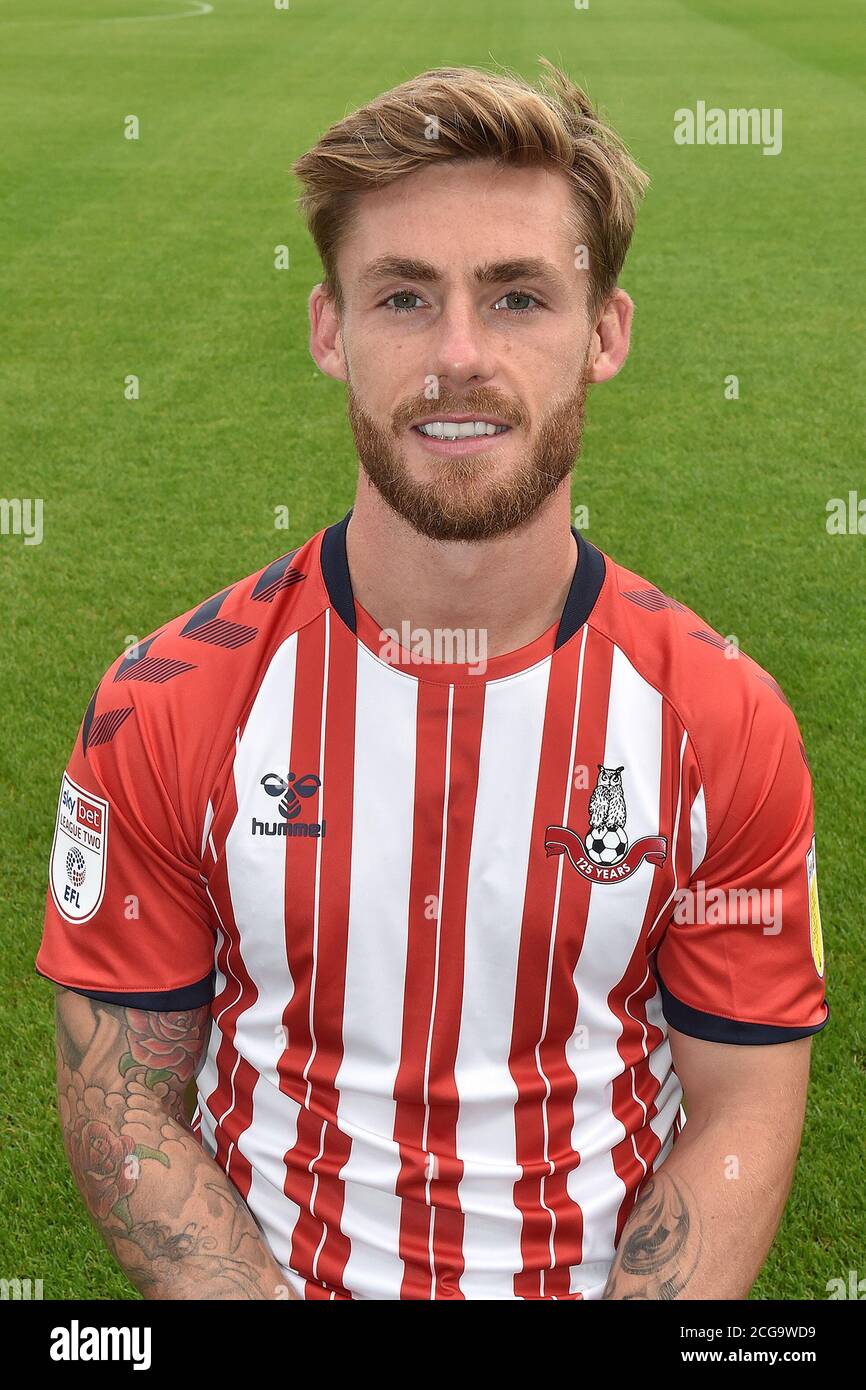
(155, 257)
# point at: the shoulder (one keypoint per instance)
(733, 710)
(214, 642)
(175, 698)
(705, 675)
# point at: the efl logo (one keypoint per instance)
(86, 813)
(79, 853)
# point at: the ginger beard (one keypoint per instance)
(463, 500)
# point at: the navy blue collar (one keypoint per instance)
(582, 595)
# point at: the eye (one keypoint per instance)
(518, 308)
(402, 308)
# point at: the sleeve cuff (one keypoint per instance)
(715, 1028)
(154, 1001)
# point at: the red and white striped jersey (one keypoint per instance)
(444, 914)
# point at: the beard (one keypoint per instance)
(464, 500)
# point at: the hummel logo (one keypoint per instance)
(290, 791)
(290, 803)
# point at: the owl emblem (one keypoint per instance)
(607, 803)
(607, 841)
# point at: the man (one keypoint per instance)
(447, 853)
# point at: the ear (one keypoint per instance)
(621, 769)
(600, 767)
(610, 338)
(326, 338)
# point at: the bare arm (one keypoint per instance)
(707, 1217)
(167, 1212)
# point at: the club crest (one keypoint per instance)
(604, 854)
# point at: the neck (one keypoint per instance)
(513, 588)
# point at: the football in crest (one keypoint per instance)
(606, 846)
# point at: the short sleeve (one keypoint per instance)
(127, 917)
(742, 957)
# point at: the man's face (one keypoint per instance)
(464, 314)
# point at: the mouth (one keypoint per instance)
(460, 434)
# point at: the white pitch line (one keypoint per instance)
(199, 7)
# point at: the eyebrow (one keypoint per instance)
(520, 268)
(399, 268)
(490, 273)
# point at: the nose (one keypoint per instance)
(463, 355)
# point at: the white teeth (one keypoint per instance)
(449, 429)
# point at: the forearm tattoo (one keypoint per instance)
(661, 1243)
(171, 1217)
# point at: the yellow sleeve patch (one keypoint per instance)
(814, 911)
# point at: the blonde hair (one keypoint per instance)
(469, 113)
